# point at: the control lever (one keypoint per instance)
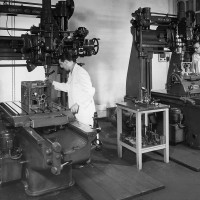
(47, 73)
(57, 169)
(66, 163)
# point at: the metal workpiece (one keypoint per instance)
(36, 108)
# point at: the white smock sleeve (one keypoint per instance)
(193, 64)
(61, 86)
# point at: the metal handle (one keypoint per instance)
(66, 163)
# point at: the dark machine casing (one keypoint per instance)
(40, 139)
(48, 139)
(175, 34)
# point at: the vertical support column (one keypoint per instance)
(119, 131)
(139, 140)
(166, 134)
(146, 121)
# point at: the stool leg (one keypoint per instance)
(119, 131)
(139, 140)
(166, 134)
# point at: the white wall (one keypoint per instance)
(11, 77)
(108, 20)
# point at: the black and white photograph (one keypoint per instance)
(99, 100)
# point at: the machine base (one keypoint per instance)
(39, 183)
(190, 108)
(48, 144)
(10, 170)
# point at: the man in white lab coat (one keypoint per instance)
(196, 58)
(79, 88)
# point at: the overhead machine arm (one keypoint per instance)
(47, 41)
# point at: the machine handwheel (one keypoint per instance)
(96, 45)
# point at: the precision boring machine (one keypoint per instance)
(158, 33)
(40, 139)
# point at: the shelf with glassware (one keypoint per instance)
(143, 139)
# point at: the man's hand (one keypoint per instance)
(74, 109)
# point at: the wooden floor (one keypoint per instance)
(106, 178)
(111, 178)
(114, 182)
(184, 155)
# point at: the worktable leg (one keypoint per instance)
(119, 131)
(139, 141)
(166, 134)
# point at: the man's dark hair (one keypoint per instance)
(67, 55)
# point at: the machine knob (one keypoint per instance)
(58, 156)
(56, 147)
(54, 170)
(48, 151)
(49, 162)
(190, 87)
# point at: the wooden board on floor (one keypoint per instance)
(185, 156)
(114, 182)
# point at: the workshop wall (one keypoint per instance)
(11, 77)
(108, 20)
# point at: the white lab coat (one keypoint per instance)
(196, 63)
(80, 91)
